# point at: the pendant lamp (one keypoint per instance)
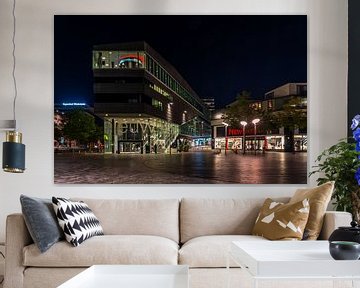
(13, 149)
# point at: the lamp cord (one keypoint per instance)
(14, 60)
(2, 280)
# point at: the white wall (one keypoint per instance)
(327, 67)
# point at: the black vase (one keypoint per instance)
(344, 250)
(351, 234)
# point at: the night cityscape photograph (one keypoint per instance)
(180, 99)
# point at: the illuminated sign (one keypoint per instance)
(161, 91)
(131, 58)
(73, 104)
(239, 131)
(234, 132)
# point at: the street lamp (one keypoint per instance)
(226, 139)
(243, 123)
(255, 121)
(170, 113)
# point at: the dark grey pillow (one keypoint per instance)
(41, 221)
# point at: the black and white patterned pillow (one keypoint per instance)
(77, 220)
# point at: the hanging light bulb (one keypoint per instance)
(13, 149)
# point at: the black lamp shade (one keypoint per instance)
(13, 157)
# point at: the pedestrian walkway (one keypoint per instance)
(182, 168)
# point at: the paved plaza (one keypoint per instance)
(181, 168)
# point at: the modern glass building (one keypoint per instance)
(147, 106)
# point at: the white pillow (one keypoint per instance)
(77, 220)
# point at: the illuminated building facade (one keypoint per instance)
(273, 102)
(147, 106)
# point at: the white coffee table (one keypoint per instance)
(131, 276)
(292, 260)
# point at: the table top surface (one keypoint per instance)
(131, 276)
(286, 250)
(291, 258)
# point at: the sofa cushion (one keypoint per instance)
(77, 220)
(41, 221)
(279, 221)
(158, 217)
(107, 249)
(201, 217)
(211, 251)
(319, 198)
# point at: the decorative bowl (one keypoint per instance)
(344, 250)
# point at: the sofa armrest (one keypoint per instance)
(17, 237)
(333, 220)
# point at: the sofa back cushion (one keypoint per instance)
(158, 217)
(201, 217)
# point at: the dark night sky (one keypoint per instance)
(217, 55)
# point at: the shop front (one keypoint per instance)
(236, 143)
(232, 139)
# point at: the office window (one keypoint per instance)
(157, 104)
(156, 68)
(118, 59)
(130, 59)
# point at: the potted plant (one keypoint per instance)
(341, 163)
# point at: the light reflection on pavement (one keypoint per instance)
(181, 168)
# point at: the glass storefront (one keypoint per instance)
(300, 142)
(203, 143)
(278, 142)
(235, 143)
(195, 128)
(275, 142)
(130, 147)
(270, 143)
(107, 136)
(139, 135)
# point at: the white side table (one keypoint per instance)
(131, 276)
(294, 262)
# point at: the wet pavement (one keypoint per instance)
(181, 168)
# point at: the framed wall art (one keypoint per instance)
(180, 99)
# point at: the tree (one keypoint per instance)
(58, 133)
(80, 126)
(292, 116)
(98, 134)
(241, 110)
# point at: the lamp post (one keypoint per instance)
(170, 139)
(170, 112)
(243, 123)
(226, 139)
(255, 121)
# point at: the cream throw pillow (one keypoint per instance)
(319, 198)
(279, 221)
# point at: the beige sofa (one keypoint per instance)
(194, 232)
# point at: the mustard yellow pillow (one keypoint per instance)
(319, 198)
(279, 221)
